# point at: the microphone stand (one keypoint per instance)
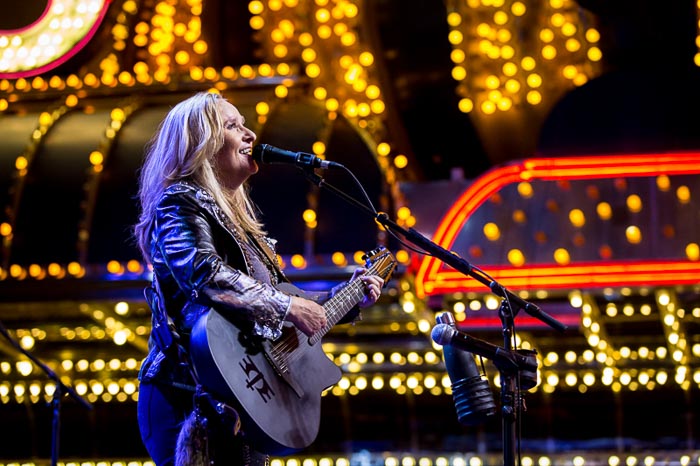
(520, 374)
(509, 365)
(61, 388)
(518, 368)
(448, 257)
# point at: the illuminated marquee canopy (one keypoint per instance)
(64, 28)
(553, 223)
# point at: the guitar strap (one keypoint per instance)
(270, 255)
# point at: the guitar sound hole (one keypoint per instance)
(252, 343)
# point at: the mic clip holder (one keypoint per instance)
(524, 362)
(307, 161)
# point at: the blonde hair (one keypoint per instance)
(184, 148)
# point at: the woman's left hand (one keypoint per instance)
(373, 287)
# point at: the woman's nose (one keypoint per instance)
(250, 135)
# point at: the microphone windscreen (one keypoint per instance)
(442, 334)
(258, 152)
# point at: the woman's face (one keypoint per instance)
(235, 161)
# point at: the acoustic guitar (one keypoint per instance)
(276, 386)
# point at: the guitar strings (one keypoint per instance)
(283, 347)
(287, 350)
(288, 346)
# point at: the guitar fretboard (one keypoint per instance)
(347, 297)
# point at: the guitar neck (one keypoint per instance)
(341, 302)
(351, 294)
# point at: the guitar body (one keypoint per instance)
(276, 386)
(280, 413)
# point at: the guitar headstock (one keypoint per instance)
(380, 261)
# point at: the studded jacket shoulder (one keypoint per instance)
(201, 262)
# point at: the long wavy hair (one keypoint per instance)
(184, 148)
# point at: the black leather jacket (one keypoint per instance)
(200, 261)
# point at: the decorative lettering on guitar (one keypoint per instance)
(255, 380)
(279, 397)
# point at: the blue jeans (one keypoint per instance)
(161, 411)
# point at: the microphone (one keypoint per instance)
(471, 393)
(266, 153)
(448, 335)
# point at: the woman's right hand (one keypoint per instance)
(306, 315)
